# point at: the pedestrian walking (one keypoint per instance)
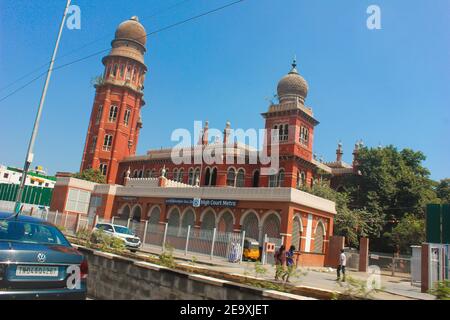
(280, 261)
(341, 267)
(289, 263)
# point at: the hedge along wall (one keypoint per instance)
(31, 195)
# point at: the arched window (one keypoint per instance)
(256, 179)
(113, 113)
(135, 174)
(319, 237)
(304, 135)
(128, 77)
(280, 181)
(141, 174)
(181, 175)
(122, 71)
(207, 177)
(271, 226)
(114, 70)
(99, 114)
(126, 117)
(191, 177)
(196, 176)
(175, 174)
(103, 168)
(148, 174)
(240, 180)
(272, 181)
(296, 233)
(214, 177)
(107, 142)
(231, 177)
(134, 75)
(250, 226)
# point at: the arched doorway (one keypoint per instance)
(188, 219)
(226, 222)
(154, 218)
(271, 226)
(250, 225)
(173, 222)
(125, 214)
(137, 213)
(208, 220)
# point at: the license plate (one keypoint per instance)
(36, 271)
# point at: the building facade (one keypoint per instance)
(231, 196)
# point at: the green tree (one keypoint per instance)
(352, 224)
(409, 231)
(392, 183)
(443, 190)
(92, 175)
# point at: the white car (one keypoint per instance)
(130, 240)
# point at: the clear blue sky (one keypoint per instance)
(389, 86)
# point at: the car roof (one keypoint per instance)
(110, 224)
(23, 218)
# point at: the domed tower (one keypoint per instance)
(293, 122)
(116, 114)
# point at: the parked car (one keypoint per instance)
(130, 240)
(38, 262)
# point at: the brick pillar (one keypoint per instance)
(363, 254)
(424, 268)
(332, 256)
(287, 218)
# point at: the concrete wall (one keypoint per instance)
(114, 277)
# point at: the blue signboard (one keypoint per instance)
(197, 202)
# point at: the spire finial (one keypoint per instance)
(294, 62)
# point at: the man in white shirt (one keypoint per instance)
(341, 267)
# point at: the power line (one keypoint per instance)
(45, 65)
(107, 49)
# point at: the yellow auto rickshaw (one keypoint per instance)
(251, 250)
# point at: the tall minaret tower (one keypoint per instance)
(116, 114)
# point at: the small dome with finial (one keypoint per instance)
(292, 87)
(132, 30)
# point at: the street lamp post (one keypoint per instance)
(30, 155)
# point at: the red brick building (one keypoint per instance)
(232, 196)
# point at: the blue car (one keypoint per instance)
(38, 262)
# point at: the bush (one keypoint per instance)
(106, 242)
(166, 258)
(442, 290)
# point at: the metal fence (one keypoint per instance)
(188, 241)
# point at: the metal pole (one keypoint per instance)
(241, 252)
(30, 155)
(212, 245)
(56, 217)
(264, 257)
(165, 236)
(145, 232)
(65, 220)
(128, 223)
(187, 240)
(112, 219)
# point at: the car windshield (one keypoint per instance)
(123, 230)
(31, 232)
